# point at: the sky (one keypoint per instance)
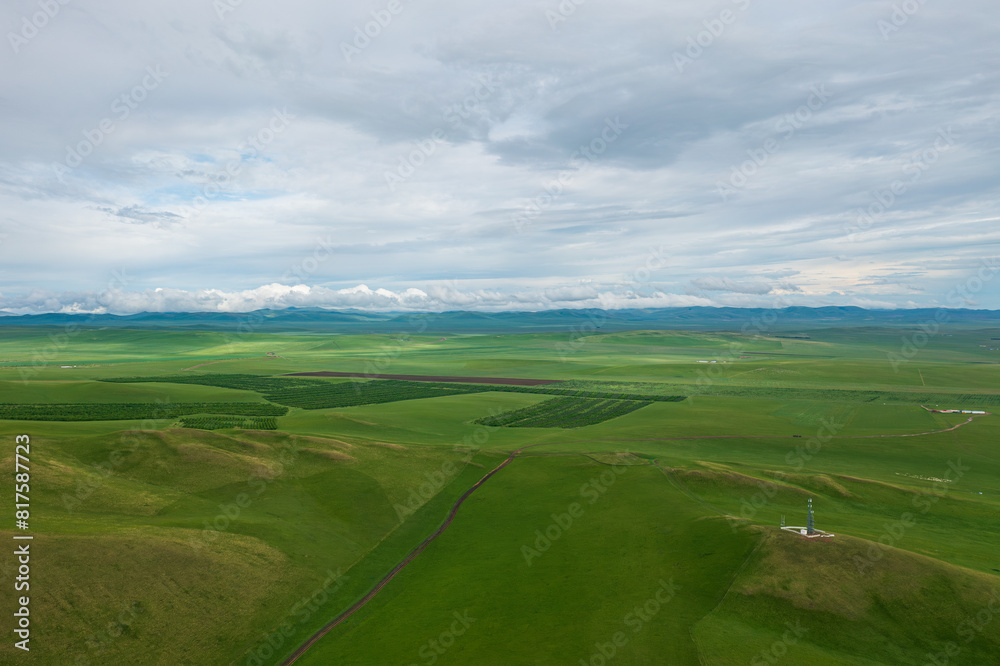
(230, 155)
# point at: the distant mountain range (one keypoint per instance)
(355, 321)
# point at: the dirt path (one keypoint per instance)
(666, 439)
(227, 360)
(402, 565)
(919, 434)
(454, 511)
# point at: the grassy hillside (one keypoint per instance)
(806, 599)
(161, 544)
(554, 598)
(187, 527)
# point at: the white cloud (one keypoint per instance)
(311, 201)
(435, 298)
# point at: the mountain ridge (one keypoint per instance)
(463, 321)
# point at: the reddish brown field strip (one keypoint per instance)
(433, 378)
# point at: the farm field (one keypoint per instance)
(192, 502)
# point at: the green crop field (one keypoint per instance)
(221, 422)
(565, 413)
(192, 503)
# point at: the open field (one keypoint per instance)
(565, 413)
(434, 378)
(211, 509)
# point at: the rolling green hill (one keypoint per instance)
(647, 537)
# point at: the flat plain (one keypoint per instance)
(651, 536)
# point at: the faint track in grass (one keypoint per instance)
(226, 360)
(691, 495)
(340, 619)
(201, 365)
(406, 561)
(919, 434)
(668, 439)
(684, 490)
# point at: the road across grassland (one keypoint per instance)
(454, 511)
(399, 567)
(668, 439)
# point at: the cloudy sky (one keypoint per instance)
(429, 155)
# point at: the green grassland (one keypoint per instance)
(200, 535)
(565, 413)
(579, 590)
(124, 411)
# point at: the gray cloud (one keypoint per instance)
(482, 115)
(136, 214)
(741, 287)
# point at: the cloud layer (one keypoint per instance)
(192, 155)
